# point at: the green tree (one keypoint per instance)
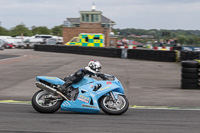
(41, 30)
(196, 39)
(190, 40)
(152, 32)
(57, 30)
(20, 29)
(182, 39)
(4, 31)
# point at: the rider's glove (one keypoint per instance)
(101, 75)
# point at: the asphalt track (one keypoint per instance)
(153, 89)
(17, 118)
(2, 57)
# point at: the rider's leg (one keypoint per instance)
(71, 79)
(63, 88)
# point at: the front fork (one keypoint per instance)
(113, 97)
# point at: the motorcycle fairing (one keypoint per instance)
(53, 80)
(87, 100)
(84, 81)
(80, 106)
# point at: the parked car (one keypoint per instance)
(1, 44)
(132, 42)
(9, 45)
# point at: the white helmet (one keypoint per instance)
(95, 65)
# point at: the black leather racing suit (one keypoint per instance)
(77, 76)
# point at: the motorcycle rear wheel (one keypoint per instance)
(42, 105)
(111, 108)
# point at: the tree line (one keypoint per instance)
(182, 36)
(23, 30)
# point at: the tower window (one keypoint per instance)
(83, 17)
(87, 18)
(95, 18)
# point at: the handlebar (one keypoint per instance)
(109, 77)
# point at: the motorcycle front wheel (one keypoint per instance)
(112, 108)
(42, 102)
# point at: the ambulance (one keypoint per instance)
(87, 40)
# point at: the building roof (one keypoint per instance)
(106, 20)
(103, 20)
(74, 20)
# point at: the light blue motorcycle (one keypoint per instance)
(87, 96)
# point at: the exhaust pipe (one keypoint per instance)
(45, 87)
(49, 89)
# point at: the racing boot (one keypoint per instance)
(65, 87)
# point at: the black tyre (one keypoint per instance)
(190, 64)
(189, 81)
(189, 86)
(190, 70)
(111, 108)
(190, 76)
(42, 105)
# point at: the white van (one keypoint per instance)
(43, 36)
(1, 44)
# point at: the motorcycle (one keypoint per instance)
(89, 95)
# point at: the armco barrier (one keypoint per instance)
(97, 51)
(153, 55)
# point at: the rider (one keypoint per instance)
(93, 69)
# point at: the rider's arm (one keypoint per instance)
(101, 75)
(98, 74)
(90, 70)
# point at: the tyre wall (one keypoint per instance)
(97, 51)
(153, 55)
(177, 48)
(190, 75)
(190, 55)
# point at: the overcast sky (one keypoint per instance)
(143, 14)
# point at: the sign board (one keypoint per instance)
(124, 53)
(190, 48)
